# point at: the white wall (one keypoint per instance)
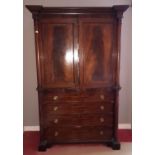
(30, 80)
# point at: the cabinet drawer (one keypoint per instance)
(87, 133)
(77, 107)
(77, 120)
(54, 98)
(105, 96)
(81, 96)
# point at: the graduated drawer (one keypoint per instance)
(99, 96)
(51, 97)
(78, 107)
(78, 120)
(83, 96)
(84, 134)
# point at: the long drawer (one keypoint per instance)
(84, 96)
(77, 107)
(78, 120)
(86, 133)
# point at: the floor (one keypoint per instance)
(31, 140)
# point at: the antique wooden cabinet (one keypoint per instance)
(77, 56)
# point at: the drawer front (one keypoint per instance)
(81, 96)
(77, 120)
(87, 133)
(77, 107)
(99, 96)
(54, 97)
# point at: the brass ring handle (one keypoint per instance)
(102, 97)
(55, 97)
(56, 121)
(56, 133)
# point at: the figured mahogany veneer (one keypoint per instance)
(77, 56)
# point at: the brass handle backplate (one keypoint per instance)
(101, 132)
(56, 121)
(36, 31)
(56, 133)
(55, 108)
(102, 107)
(55, 97)
(78, 126)
(101, 119)
(102, 97)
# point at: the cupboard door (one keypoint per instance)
(58, 54)
(96, 42)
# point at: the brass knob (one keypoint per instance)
(55, 108)
(101, 119)
(102, 97)
(102, 107)
(56, 133)
(101, 132)
(55, 97)
(56, 121)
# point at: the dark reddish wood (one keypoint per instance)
(78, 57)
(96, 68)
(57, 53)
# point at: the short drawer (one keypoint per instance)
(84, 134)
(79, 120)
(99, 96)
(84, 107)
(54, 98)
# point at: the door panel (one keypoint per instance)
(58, 63)
(96, 53)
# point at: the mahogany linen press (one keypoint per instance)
(78, 64)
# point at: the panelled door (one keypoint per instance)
(63, 64)
(96, 51)
(58, 52)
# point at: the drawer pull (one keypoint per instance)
(55, 97)
(56, 121)
(55, 108)
(101, 132)
(101, 119)
(102, 97)
(102, 107)
(56, 133)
